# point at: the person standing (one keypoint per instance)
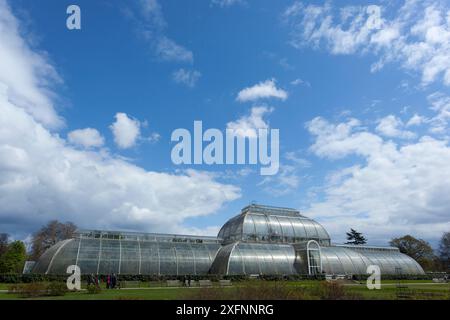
(113, 281)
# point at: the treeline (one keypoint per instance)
(13, 254)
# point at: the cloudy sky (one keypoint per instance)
(362, 103)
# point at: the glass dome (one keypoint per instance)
(258, 223)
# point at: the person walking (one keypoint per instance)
(113, 281)
(96, 281)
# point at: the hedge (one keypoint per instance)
(28, 278)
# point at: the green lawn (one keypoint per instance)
(413, 289)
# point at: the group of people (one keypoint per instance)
(111, 280)
(186, 280)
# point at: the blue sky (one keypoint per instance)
(87, 114)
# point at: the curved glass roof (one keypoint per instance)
(255, 258)
(106, 256)
(270, 224)
(350, 260)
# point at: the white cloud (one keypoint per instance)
(247, 126)
(394, 190)
(227, 3)
(298, 81)
(154, 137)
(152, 11)
(417, 35)
(25, 75)
(126, 130)
(284, 182)
(87, 137)
(415, 120)
(338, 141)
(288, 178)
(151, 26)
(440, 103)
(42, 177)
(168, 49)
(187, 77)
(263, 90)
(392, 126)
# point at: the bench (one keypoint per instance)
(205, 283)
(225, 283)
(173, 283)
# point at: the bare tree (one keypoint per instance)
(444, 251)
(4, 240)
(50, 234)
(418, 249)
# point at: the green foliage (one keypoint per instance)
(38, 289)
(29, 278)
(333, 290)
(93, 289)
(56, 288)
(355, 237)
(13, 259)
(418, 249)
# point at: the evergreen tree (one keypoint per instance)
(355, 237)
(13, 259)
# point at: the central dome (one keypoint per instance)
(257, 223)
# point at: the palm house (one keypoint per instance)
(261, 240)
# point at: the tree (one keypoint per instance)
(355, 237)
(13, 259)
(4, 239)
(444, 251)
(418, 249)
(50, 234)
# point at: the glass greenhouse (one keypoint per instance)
(260, 240)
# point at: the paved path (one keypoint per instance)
(402, 283)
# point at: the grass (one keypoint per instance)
(309, 289)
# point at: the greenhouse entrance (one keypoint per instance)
(313, 257)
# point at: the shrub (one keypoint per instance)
(38, 289)
(333, 290)
(29, 290)
(55, 288)
(252, 290)
(93, 289)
